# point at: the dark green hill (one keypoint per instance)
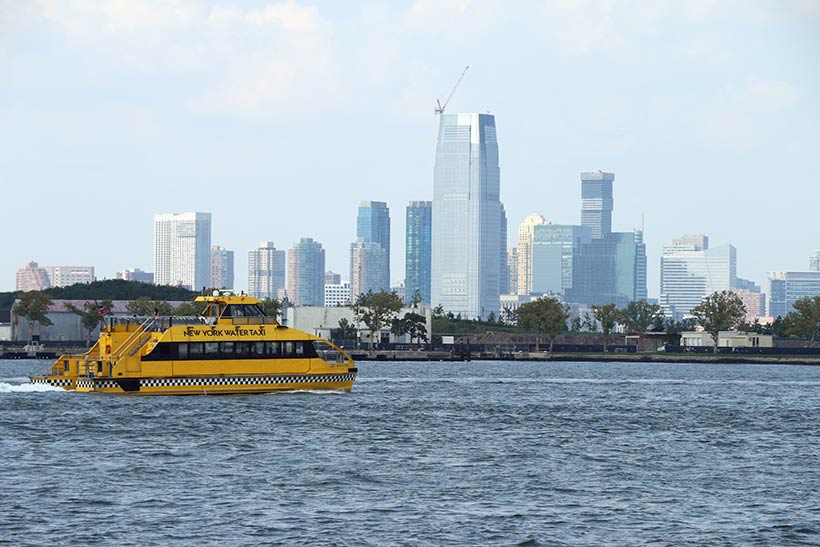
(115, 289)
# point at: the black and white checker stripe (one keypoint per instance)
(244, 381)
(94, 383)
(56, 383)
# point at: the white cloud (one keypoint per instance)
(769, 96)
(288, 15)
(88, 17)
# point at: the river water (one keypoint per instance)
(480, 453)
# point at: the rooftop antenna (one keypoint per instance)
(440, 107)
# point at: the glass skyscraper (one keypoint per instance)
(554, 254)
(367, 263)
(306, 273)
(467, 217)
(419, 250)
(373, 225)
(596, 202)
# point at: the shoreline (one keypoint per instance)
(615, 357)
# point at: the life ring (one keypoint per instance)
(108, 348)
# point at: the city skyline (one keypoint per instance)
(708, 130)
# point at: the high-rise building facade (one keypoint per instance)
(135, 274)
(511, 285)
(367, 263)
(32, 278)
(596, 202)
(332, 278)
(418, 249)
(65, 276)
(337, 294)
(753, 301)
(690, 271)
(526, 233)
(182, 249)
(373, 225)
(467, 217)
(306, 273)
(556, 249)
(787, 287)
(266, 271)
(221, 268)
(814, 262)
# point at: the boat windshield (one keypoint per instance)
(243, 310)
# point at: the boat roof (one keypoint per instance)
(226, 297)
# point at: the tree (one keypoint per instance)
(272, 307)
(416, 299)
(589, 323)
(91, 314)
(345, 331)
(33, 306)
(412, 324)
(575, 323)
(639, 315)
(804, 321)
(608, 315)
(673, 329)
(546, 315)
(188, 309)
(376, 310)
(723, 310)
(147, 306)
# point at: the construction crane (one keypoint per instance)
(440, 107)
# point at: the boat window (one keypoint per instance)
(257, 349)
(211, 348)
(183, 350)
(196, 349)
(243, 349)
(273, 348)
(226, 349)
(300, 349)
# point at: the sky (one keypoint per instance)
(279, 117)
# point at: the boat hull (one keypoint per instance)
(205, 385)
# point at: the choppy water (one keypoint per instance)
(482, 453)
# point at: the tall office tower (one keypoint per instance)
(367, 263)
(526, 231)
(65, 276)
(418, 249)
(610, 270)
(221, 268)
(266, 271)
(182, 249)
(32, 278)
(306, 273)
(135, 274)
(690, 271)
(814, 263)
(596, 202)
(503, 270)
(787, 287)
(332, 278)
(373, 225)
(512, 272)
(467, 216)
(556, 249)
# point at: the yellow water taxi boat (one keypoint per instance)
(233, 347)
